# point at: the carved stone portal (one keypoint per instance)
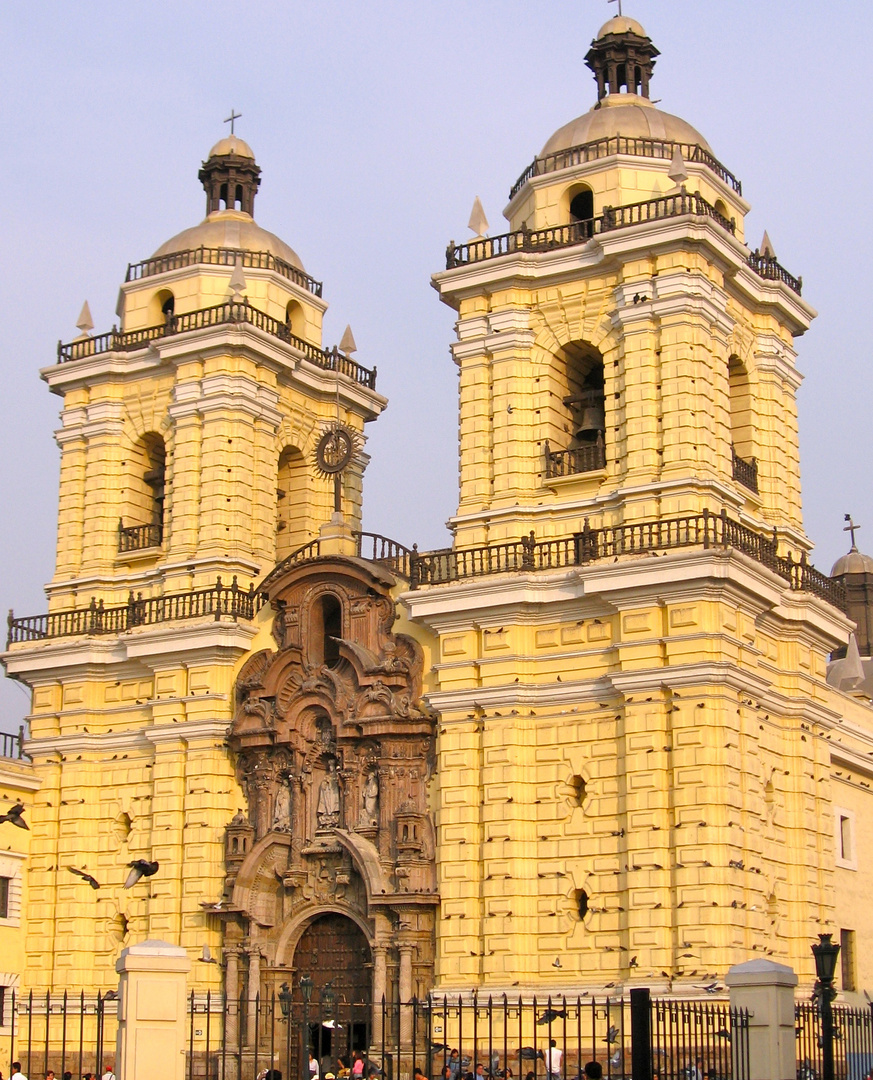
(334, 750)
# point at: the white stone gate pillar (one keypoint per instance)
(766, 989)
(152, 1011)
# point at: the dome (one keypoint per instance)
(630, 115)
(230, 229)
(853, 563)
(621, 24)
(232, 144)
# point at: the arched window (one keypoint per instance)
(222, 197)
(142, 513)
(292, 494)
(325, 628)
(238, 197)
(294, 318)
(575, 414)
(744, 465)
(582, 209)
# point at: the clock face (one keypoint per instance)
(334, 450)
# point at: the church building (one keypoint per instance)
(593, 744)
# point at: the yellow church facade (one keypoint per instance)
(592, 745)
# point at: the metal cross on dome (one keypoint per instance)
(851, 528)
(234, 115)
(608, 1)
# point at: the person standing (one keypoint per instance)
(15, 1072)
(108, 1074)
(553, 1060)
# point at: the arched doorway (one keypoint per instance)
(333, 949)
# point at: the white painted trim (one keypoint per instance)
(143, 738)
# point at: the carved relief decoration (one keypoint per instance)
(334, 749)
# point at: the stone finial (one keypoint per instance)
(347, 344)
(237, 280)
(678, 173)
(478, 223)
(85, 323)
(767, 247)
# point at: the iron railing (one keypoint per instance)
(632, 147)
(853, 1041)
(372, 546)
(579, 232)
(687, 1036)
(580, 459)
(12, 746)
(250, 260)
(448, 1036)
(768, 267)
(137, 537)
(62, 1031)
(215, 601)
(704, 530)
(745, 472)
(230, 312)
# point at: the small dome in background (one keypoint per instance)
(855, 562)
(232, 144)
(621, 24)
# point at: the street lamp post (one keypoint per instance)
(306, 991)
(285, 1005)
(826, 953)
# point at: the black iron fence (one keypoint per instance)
(139, 537)
(629, 146)
(216, 600)
(63, 1031)
(853, 1041)
(451, 1037)
(258, 260)
(705, 530)
(221, 314)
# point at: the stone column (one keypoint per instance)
(405, 948)
(252, 996)
(152, 1013)
(231, 995)
(380, 990)
(766, 989)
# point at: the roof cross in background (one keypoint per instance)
(236, 115)
(851, 528)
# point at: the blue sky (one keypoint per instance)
(375, 125)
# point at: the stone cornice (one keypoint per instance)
(142, 738)
(523, 269)
(239, 339)
(177, 643)
(676, 576)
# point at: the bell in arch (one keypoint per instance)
(590, 415)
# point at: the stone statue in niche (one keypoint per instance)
(328, 809)
(370, 811)
(282, 805)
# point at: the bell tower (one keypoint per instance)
(198, 445)
(633, 644)
(622, 353)
(189, 432)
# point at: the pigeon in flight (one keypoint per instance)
(139, 868)
(92, 881)
(13, 815)
(550, 1015)
(206, 956)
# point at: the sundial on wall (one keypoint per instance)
(333, 455)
